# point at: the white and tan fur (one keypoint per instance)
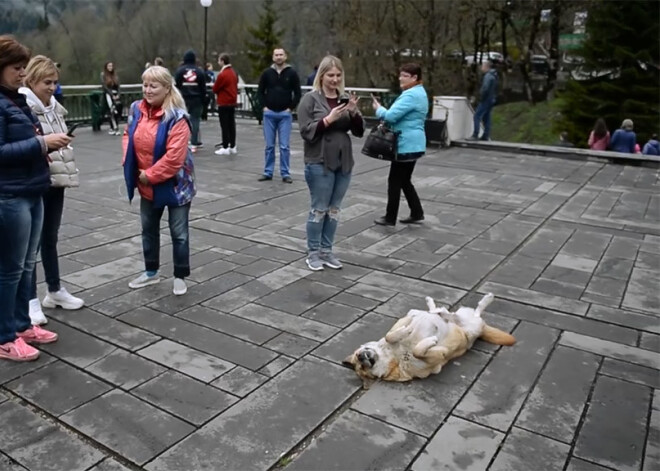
(422, 342)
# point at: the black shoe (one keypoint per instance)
(472, 138)
(264, 178)
(411, 220)
(384, 222)
(287, 180)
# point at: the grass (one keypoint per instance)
(525, 123)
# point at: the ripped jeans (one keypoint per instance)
(327, 189)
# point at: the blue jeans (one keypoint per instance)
(195, 108)
(327, 189)
(482, 113)
(277, 124)
(20, 229)
(53, 207)
(178, 222)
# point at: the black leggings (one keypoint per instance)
(400, 179)
(226, 114)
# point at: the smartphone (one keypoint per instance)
(343, 100)
(71, 129)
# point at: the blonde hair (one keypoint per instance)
(173, 100)
(38, 69)
(326, 64)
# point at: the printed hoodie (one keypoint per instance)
(190, 79)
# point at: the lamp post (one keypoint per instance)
(206, 4)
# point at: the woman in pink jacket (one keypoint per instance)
(599, 139)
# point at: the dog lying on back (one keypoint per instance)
(422, 342)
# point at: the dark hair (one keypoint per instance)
(224, 57)
(654, 136)
(600, 128)
(413, 69)
(12, 52)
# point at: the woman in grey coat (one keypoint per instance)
(325, 116)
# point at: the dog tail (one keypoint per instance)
(497, 336)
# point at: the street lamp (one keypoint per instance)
(206, 4)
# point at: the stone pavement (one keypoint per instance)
(244, 372)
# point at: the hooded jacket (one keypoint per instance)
(63, 170)
(652, 147)
(190, 79)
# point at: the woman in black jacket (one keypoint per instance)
(24, 178)
(110, 83)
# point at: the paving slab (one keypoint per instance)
(523, 450)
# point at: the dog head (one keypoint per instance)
(366, 361)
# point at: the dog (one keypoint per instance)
(422, 342)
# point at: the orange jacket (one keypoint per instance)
(226, 87)
(144, 141)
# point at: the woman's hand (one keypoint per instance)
(374, 102)
(352, 104)
(56, 141)
(335, 113)
(143, 177)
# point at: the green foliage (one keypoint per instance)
(525, 123)
(623, 40)
(266, 37)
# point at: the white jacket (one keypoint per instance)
(63, 171)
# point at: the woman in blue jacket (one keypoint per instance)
(407, 115)
(24, 178)
(624, 139)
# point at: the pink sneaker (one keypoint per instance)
(18, 350)
(36, 334)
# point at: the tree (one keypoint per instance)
(266, 38)
(621, 59)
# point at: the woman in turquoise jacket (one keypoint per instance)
(406, 115)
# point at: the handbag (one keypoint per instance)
(382, 143)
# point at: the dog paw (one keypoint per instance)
(430, 303)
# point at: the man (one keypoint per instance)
(488, 95)
(226, 90)
(279, 93)
(191, 81)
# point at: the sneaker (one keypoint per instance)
(144, 280)
(287, 179)
(329, 260)
(264, 178)
(63, 299)
(36, 334)
(314, 261)
(222, 151)
(36, 314)
(18, 350)
(193, 149)
(112, 132)
(233, 150)
(179, 287)
(200, 145)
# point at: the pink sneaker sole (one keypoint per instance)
(44, 337)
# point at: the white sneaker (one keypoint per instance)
(111, 132)
(222, 151)
(63, 299)
(36, 314)
(144, 280)
(179, 287)
(233, 150)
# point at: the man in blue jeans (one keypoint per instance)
(487, 97)
(279, 93)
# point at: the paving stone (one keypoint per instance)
(282, 277)
(109, 465)
(420, 406)
(535, 298)
(14, 369)
(185, 398)
(40, 445)
(354, 441)
(555, 406)
(623, 247)
(276, 366)
(108, 329)
(577, 464)
(289, 299)
(647, 260)
(134, 429)
(282, 411)
(76, 347)
(617, 268)
(104, 273)
(459, 445)
(590, 245)
(371, 292)
(400, 284)
(272, 253)
(354, 300)
(200, 338)
(572, 262)
(642, 291)
(291, 345)
(614, 429)
(238, 297)
(545, 243)
(133, 299)
(652, 451)
(625, 318)
(523, 450)
(399, 305)
(240, 381)
(650, 341)
(125, 369)
(286, 322)
(614, 350)
(630, 372)
(566, 275)
(464, 269)
(6, 464)
(338, 315)
(606, 287)
(495, 403)
(519, 270)
(58, 387)
(557, 288)
(211, 270)
(228, 324)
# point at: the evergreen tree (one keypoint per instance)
(622, 52)
(266, 38)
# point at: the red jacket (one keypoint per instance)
(226, 87)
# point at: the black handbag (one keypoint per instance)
(381, 143)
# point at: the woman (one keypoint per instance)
(624, 139)
(324, 125)
(110, 83)
(24, 178)
(599, 138)
(407, 115)
(157, 160)
(41, 78)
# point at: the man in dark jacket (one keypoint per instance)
(279, 94)
(487, 97)
(191, 81)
